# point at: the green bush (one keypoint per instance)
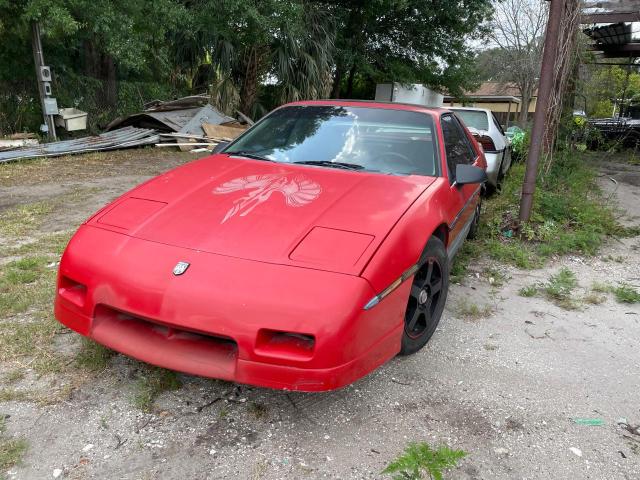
(520, 146)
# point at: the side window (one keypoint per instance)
(456, 144)
(497, 123)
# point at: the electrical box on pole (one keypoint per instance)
(43, 73)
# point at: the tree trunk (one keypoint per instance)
(250, 84)
(111, 84)
(101, 66)
(352, 74)
(337, 79)
(526, 92)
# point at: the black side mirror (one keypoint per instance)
(220, 146)
(466, 174)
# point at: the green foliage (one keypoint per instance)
(626, 294)
(109, 58)
(604, 85)
(520, 145)
(420, 458)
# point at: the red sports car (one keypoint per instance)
(301, 256)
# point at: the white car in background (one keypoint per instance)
(491, 136)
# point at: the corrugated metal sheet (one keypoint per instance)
(121, 138)
(614, 34)
(163, 119)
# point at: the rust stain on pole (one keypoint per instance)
(542, 105)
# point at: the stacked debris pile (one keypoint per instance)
(189, 123)
(181, 122)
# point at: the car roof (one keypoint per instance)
(434, 111)
(473, 109)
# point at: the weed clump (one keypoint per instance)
(626, 294)
(151, 384)
(420, 458)
(11, 449)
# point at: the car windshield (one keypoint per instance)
(474, 119)
(355, 138)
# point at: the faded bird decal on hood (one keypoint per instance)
(297, 191)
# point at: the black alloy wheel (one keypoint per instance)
(427, 297)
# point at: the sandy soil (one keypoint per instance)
(505, 388)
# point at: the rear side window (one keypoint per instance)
(457, 145)
(497, 124)
(474, 119)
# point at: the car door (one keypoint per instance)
(463, 199)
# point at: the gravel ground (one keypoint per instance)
(505, 387)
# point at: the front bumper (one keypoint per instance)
(211, 321)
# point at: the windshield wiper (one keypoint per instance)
(327, 163)
(251, 155)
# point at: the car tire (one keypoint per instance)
(473, 229)
(427, 298)
(495, 189)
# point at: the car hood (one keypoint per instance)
(299, 215)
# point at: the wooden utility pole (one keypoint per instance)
(545, 90)
(38, 60)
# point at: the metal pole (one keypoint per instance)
(545, 89)
(38, 60)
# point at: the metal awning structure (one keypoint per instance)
(614, 30)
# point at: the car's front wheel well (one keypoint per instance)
(442, 233)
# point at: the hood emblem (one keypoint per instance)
(297, 191)
(180, 268)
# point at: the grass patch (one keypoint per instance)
(21, 220)
(50, 244)
(26, 284)
(626, 294)
(469, 251)
(594, 298)
(31, 339)
(471, 311)
(12, 395)
(11, 449)
(600, 287)
(154, 382)
(93, 356)
(528, 291)
(495, 277)
(570, 215)
(14, 376)
(419, 459)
